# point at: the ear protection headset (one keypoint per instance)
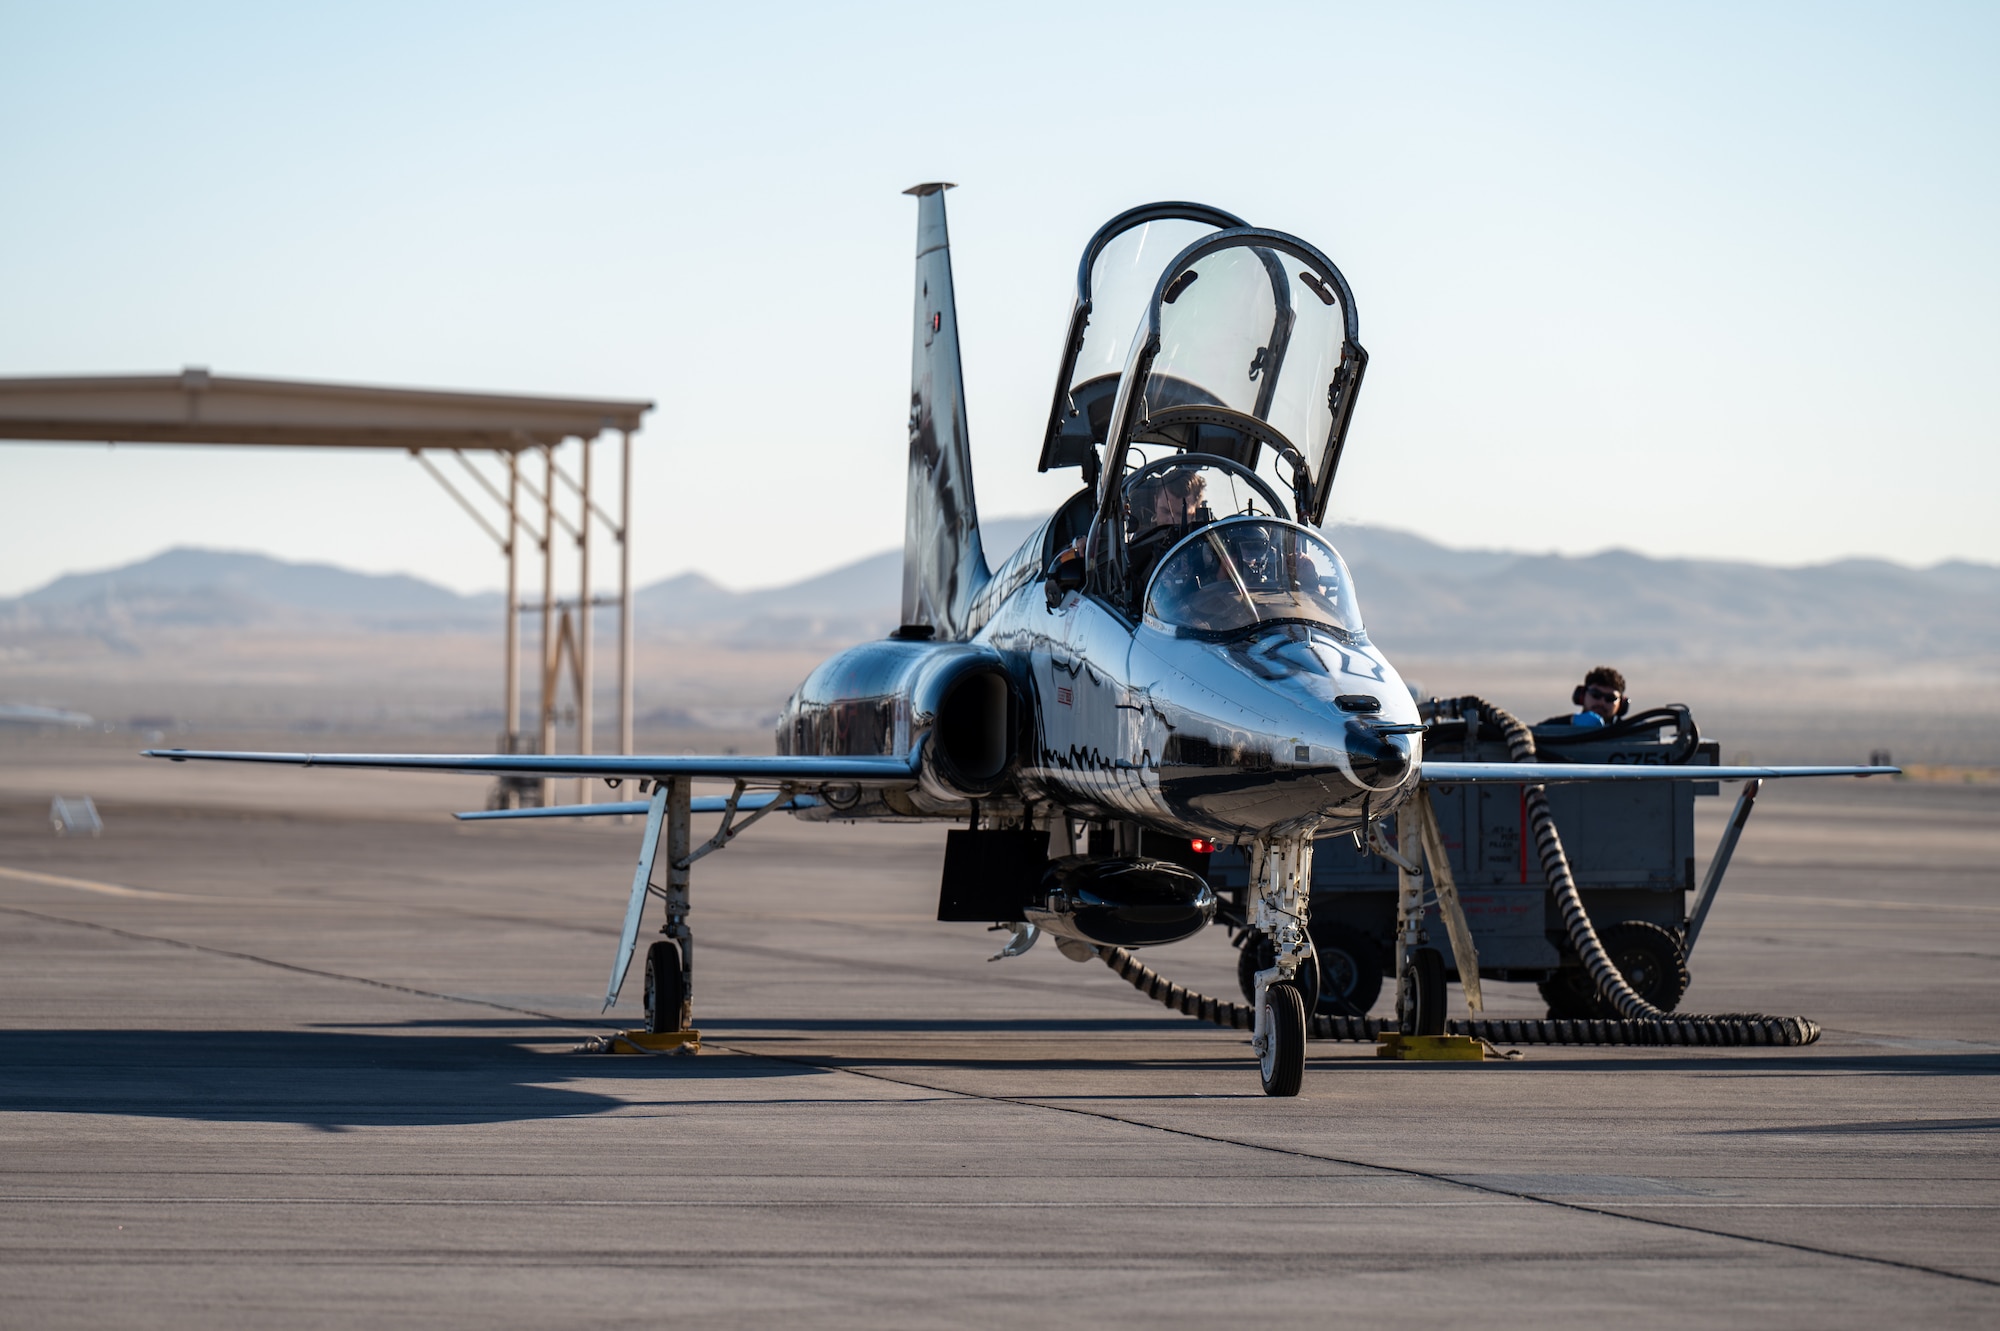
(1624, 703)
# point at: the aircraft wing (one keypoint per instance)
(750, 803)
(1540, 774)
(769, 771)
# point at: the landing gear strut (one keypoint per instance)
(675, 1011)
(1420, 993)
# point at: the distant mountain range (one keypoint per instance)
(1419, 598)
(221, 588)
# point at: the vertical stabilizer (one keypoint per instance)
(944, 565)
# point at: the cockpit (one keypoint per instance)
(1172, 495)
(1237, 575)
(1201, 386)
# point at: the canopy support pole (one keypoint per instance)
(548, 699)
(625, 592)
(586, 679)
(511, 712)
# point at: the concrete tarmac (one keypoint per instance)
(310, 1068)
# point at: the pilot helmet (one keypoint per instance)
(1255, 552)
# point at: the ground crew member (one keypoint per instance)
(1601, 697)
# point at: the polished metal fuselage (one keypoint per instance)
(1230, 741)
(1221, 740)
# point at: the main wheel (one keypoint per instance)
(1283, 1063)
(1350, 970)
(666, 990)
(1421, 998)
(1258, 954)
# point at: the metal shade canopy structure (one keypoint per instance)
(197, 407)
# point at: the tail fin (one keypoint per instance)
(944, 565)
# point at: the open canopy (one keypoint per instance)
(1234, 399)
(1115, 279)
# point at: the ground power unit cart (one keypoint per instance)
(1631, 848)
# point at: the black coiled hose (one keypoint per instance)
(1639, 1022)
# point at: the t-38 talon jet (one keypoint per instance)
(1175, 660)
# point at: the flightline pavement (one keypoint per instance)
(319, 1073)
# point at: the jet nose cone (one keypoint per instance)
(1380, 762)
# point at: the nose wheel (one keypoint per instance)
(1283, 1060)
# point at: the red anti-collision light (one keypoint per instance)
(1202, 847)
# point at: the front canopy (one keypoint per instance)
(1238, 575)
(1115, 280)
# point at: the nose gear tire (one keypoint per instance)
(1283, 1062)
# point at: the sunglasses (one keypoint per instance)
(1600, 694)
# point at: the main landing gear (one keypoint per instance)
(670, 960)
(1420, 992)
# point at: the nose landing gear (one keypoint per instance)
(1282, 870)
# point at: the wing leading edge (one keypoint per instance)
(891, 770)
(1542, 774)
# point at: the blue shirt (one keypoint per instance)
(1587, 720)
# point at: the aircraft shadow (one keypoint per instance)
(329, 1079)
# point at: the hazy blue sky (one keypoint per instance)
(1693, 279)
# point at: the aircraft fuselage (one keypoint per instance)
(1287, 730)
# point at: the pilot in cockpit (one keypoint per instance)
(1245, 572)
(1265, 567)
(1164, 508)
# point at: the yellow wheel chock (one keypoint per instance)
(1430, 1048)
(643, 1042)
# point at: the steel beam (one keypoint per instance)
(548, 699)
(586, 658)
(511, 713)
(625, 592)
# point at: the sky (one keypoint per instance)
(1693, 280)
